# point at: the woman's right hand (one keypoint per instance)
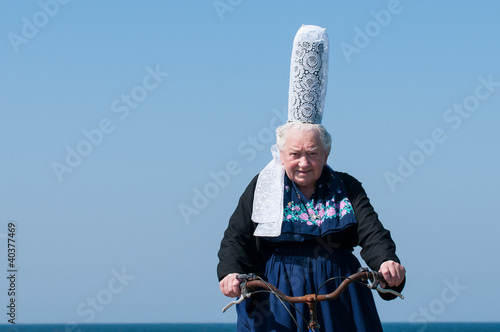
(230, 286)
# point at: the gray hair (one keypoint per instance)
(282, 131)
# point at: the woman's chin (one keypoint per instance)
(304, 181)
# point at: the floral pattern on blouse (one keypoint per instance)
(315, 213)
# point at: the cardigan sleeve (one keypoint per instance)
(376, 243)
(238, 251)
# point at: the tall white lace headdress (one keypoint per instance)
(306, 99)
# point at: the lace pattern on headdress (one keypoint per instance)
(308, 75)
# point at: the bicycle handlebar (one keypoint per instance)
(252, 282)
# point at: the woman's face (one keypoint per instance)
(303, 157)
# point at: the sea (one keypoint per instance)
(388, 327)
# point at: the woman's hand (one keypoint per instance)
(230, 286)
(393, 273)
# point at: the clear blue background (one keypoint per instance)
(119, 209)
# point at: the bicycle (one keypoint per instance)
(252, 284)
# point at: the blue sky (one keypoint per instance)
(130, 130)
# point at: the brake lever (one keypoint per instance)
(390, 291)
(376, 285)
(238, 301)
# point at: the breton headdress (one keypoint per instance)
(306, 99)
(308, 75)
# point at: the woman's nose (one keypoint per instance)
(303, 161)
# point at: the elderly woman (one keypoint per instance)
(298, 221)
(327, 213)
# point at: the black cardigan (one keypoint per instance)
(240, 250)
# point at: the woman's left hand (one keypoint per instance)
(393, 273)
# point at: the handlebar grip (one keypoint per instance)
(379, 276)
(246, 276)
